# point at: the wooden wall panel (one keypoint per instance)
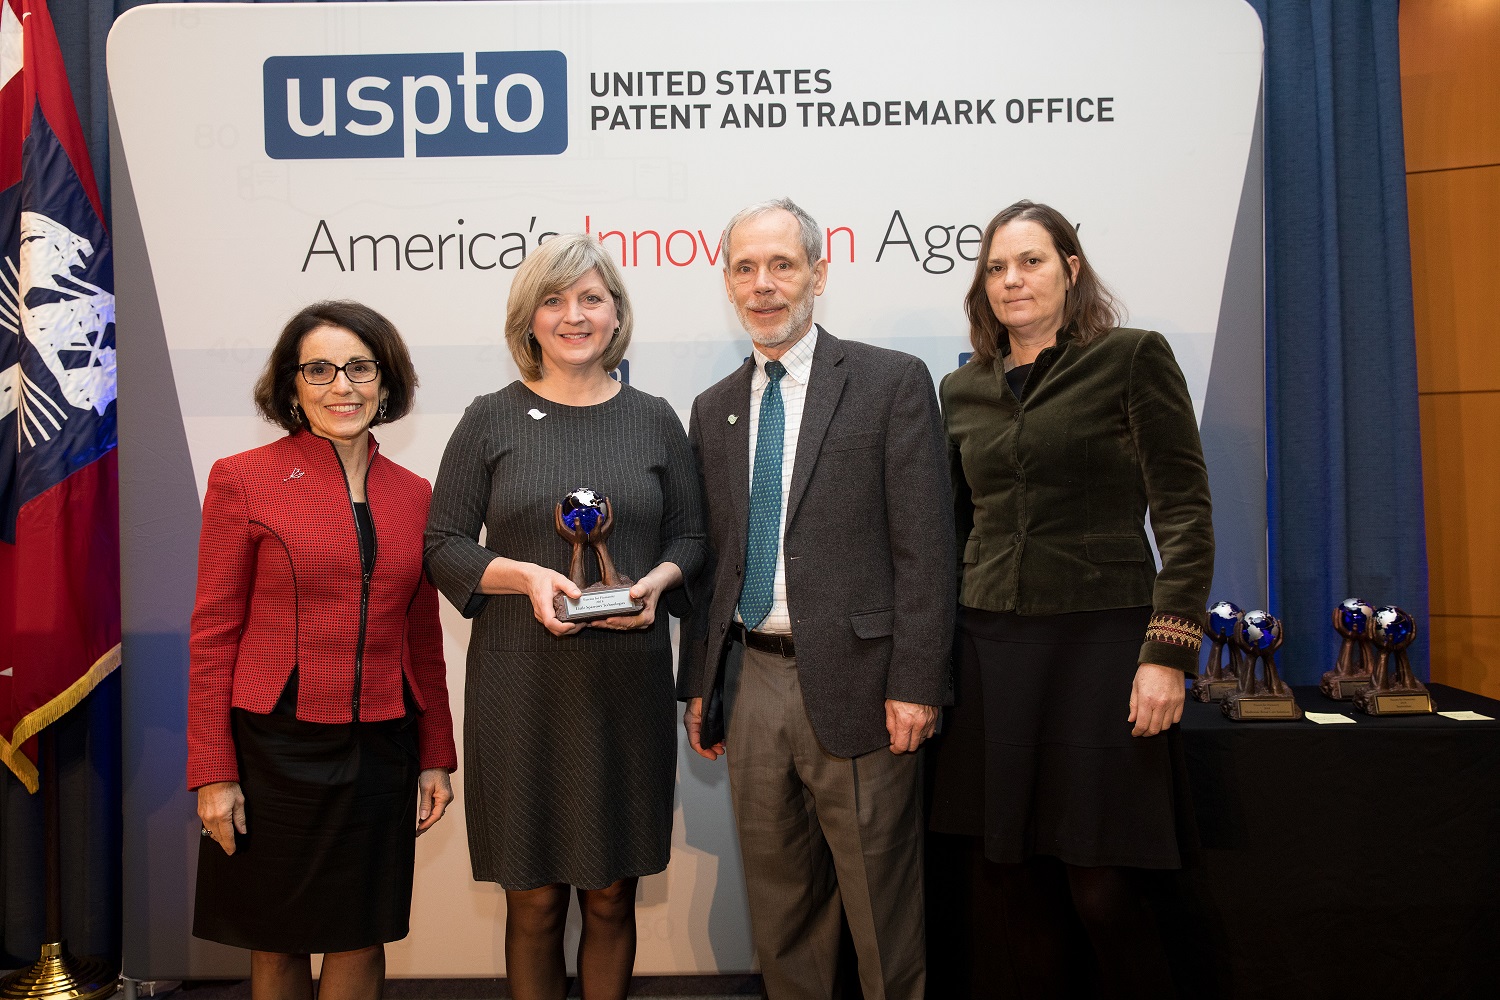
(1450, 83)
(1466, 653)
(1461, 489)
(1450, 91)
(1455, 272)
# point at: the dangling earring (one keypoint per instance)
(380, 413)
(296, 413)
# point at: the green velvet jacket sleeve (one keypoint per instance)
(1164, 430)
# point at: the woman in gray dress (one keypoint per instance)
(569, 739)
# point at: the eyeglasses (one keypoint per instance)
(324, 372)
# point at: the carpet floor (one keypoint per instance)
(644, 988)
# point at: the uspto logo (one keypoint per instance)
(416, 104)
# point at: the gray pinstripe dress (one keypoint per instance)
(570, 744)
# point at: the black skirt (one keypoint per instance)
(1036, 754)
(327, 863)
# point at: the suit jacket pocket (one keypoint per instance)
(1114, 548)
(873, 624)
(971, 550)
(849, 442)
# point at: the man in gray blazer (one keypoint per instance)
(817, 649)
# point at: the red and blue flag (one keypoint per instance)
(59, 507)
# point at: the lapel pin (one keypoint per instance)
(535, 414)
(733, 418)
(296, 474)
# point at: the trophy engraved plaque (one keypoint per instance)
(1259, 697)
(1393, 692)
(584, 520)
(1218, 680)
(1352, 619)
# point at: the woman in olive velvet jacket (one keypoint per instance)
(1064, 432)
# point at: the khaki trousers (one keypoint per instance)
(822, 836)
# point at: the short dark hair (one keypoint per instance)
(1090, 311)
(276, 389)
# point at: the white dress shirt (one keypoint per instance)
(798, 363)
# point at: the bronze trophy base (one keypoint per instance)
(1215, 690)
(1260, 707)
(597, 601)
(1375, 702)
(1345, 687)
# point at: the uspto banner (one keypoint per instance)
(411, 155)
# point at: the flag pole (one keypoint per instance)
(56, 974)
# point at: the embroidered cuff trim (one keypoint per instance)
(1175, 631)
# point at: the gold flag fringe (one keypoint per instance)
(41, 718)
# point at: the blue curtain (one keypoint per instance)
(1344, 454)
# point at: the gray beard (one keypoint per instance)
(799, 319)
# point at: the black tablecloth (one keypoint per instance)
(1324, 861)
(1342, 860)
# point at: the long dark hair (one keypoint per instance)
(1090, 311)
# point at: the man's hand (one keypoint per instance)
(692, 721)
(1156, 699)
(909, 724)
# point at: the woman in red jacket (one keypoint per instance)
(319, 735)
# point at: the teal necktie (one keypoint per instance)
(764, 540)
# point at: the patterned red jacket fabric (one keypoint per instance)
(279, 580)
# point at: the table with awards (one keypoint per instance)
(1338, 840)
(1342, 853)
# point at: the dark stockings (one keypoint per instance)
(1126, 940)
(534, 923)
(606, 948)
(346, 975)
(1107, 903)
(278, 976)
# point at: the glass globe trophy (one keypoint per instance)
(1218, 680)
(584, 519)
(1266, 696)
(1352, 619)
(1393, 692)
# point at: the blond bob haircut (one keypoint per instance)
(547, 270)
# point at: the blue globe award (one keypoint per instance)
(584, 519)
(1353, 619)
(1218, 680)
(1393, 692)
(1261, 696)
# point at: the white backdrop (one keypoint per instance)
(1136, 120)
